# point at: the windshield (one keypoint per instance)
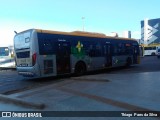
(4, 51)
(22, 41)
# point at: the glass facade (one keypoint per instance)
(150, 31)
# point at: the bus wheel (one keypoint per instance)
(128, 62)
(153, 54)
(80, 68)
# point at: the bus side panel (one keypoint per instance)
(98, 62)
(47, 65)
(92, 63)
(34, 50)
(46, 62)
(119, 60)
(88, 50)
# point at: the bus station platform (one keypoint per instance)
(137, 92)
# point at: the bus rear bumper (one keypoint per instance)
(27, 72)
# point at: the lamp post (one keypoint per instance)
(83, 18)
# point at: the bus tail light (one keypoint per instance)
(34, 56)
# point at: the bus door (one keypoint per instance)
(135, 53)
(63, 50)
(108, 54)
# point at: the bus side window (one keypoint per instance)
(98, 50)
(91, 50)
(46, 47)
(95, 50)
(116, 51)
(92, 53)
(121, 49)
(129, 50)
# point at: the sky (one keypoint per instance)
(102, 16)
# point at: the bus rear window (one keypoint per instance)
(23, 54)
(22, 41)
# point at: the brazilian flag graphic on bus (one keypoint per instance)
(78, 50)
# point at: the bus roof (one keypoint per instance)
(151, 45)
(82, 33)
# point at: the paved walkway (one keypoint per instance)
(102, 92)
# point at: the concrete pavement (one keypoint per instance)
(101, 92)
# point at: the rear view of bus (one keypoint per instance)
(25, 53)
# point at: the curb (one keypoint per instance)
(90, 79)
(7, 68)
(20, 102)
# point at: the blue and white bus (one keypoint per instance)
(7, 57)
(43, 53)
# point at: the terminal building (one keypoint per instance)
(150, 31)
(126, 34)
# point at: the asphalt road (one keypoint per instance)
(148, 64)
(11, 82)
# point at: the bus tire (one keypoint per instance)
(153, 53)
(128, 61)
(80, 68)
